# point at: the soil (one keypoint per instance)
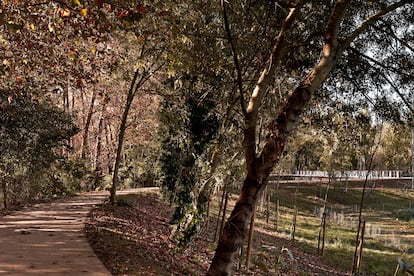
(133, 239)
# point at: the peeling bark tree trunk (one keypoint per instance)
(260, 166)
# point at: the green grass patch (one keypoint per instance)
(388, 211)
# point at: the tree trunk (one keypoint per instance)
(361, 207)
(87, 125)
(5, 194)
(208, 215)
(66, 101)
(277, 215)
(234, 231)
(360, 247)
(217, 233)
(98, 150)
(294, 219)
(323, 219)
(412, 159)
(276, 196)
(250, 240)
(259, 167)
(321, 236)
(108, 140)
(121, 135)
(267, 206)
(223, 218)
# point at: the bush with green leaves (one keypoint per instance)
(33, 135)
(188, 127)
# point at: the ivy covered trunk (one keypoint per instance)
(186, 150)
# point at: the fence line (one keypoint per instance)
(356, 174)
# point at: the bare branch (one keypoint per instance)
(392, 34)
(235, 57)
(387, 80)
(290, 112)
(256, 99)
(266, 76)
(287, 4)
(371, 20)
(384, 66)
(395, 88)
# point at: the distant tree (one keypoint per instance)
(395, 148)
(150, 34)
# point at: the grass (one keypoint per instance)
(389, 222)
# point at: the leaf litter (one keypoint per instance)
(133, 239)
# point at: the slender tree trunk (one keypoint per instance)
(250, 240)
(217, 233)
(5, 194)
(361, 245)
(66, 101)
(276, 196)
(109, 139)
(294, 219)
(267, 206)
(412, 159)
(323, 220)
(73, 103)
(321, 236)
(361, 207)
(71, 109)
(98, 149)
(277, 214)
(87, 125)
(208, 215)
(226, 200)
(121, 135)
(241, 257)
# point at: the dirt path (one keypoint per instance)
(48, 239)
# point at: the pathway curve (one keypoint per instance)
(48, 239)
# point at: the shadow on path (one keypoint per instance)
(48, 239)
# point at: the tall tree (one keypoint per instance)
(345, 25)
(149, 63)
